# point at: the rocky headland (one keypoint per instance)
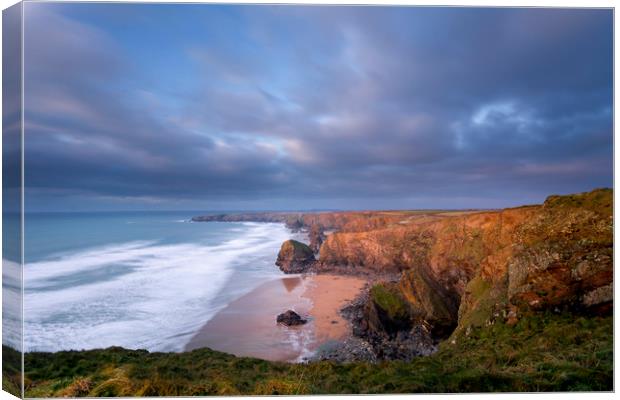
(437, 275)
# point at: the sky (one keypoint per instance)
(215, 107)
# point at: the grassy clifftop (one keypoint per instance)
(543, 352)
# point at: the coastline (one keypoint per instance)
(550, 332)
(247, 326)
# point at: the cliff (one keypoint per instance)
(492, 265)
(462, 269)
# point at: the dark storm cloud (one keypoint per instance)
(302, 107)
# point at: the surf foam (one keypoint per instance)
(141, 294)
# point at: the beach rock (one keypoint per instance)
(295, 257)
(352, 349)
(290, 318)
(406, 345)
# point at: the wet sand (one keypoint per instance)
(247, 326)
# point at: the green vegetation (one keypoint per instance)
(427, 300)
(481, 300)
(542, 352)
(294, 249)
(388, 298)
(598, 200)
(11, 371)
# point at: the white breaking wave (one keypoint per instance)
(11, 304)
(136, 295)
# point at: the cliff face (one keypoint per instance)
(468, 269)
(490, 265)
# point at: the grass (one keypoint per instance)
(598, 200)
(11, 371)
(484, 298)
(543, 352)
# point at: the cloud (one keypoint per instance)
(305, 107)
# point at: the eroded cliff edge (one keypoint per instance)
(455, 271)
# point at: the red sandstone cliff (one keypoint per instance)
(470, 268)
(492, 264)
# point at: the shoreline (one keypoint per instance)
(247, 326)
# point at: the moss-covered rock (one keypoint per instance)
(387, 311)
(295, 257)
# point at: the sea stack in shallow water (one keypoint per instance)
(290, 318)
(295, 257)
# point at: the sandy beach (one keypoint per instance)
(247, 326)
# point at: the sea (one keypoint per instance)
(140, 280)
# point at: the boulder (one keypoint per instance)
(290, 318)
(295, 257)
